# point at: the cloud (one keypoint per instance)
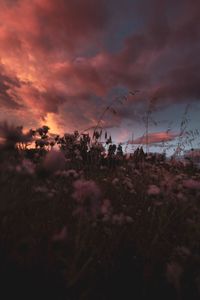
(50, 27)
(181, 83)
(154, 138)
(8, 90)
(67, 57)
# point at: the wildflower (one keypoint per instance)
(69, 173)
(50, 195)
(173, 274)
(41, 143)
(105, 207)
(183, 251)
(158, 203)
(191, 184)
(85, 189)
(78, 154)
(129, 219)
(115, 181)
(118, 219)
(26, 167)
(103, 168)
(87, 194)
(41, 189)
(179, 176)
(153, 190)
(132, 191)
(60, 236)
(181, 196)
(54, 161)
(197, 281)
(128, 184)
(106, 218)
(80, 211)
(122, 169)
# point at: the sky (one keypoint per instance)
(63, 62)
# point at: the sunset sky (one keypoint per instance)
(62, 62)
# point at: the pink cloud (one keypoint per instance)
(155, 137)
(56, 60)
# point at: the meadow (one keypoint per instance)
(80, 219)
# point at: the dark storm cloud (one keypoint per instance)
(46, 101)
(68, 24)
(84, 47)
(8, 95)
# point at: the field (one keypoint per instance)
(84, 223)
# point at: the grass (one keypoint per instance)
(98, 230)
